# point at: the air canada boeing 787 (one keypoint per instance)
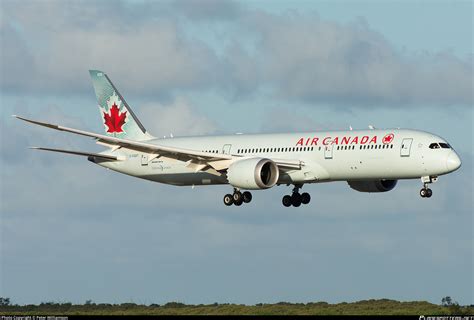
(369, 160)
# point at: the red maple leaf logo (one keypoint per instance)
(115, 119)
(388, 138)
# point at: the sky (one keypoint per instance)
(73, 231)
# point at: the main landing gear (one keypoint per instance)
(426, 192)
(296, 199)
(237, 198)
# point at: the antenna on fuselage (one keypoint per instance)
(350, 127)
(371, 127)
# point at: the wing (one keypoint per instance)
(194, 159)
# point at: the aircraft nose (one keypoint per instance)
(452, 161)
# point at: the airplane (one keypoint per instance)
(370, 160)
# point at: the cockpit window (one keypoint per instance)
(444, 145)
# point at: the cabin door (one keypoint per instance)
(328, 151)
(406, 147)
(144, 160)
(226, 148)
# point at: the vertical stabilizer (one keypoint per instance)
(116, 115)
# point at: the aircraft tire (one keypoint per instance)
(429, 193)
(228, 200)
(296, 199)
(246, 197)
(305, 198)
(237, 197)
(238, 202)
(423, 193)
(286, 201)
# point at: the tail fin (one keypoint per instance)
(117, 116)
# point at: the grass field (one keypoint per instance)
(365, 307)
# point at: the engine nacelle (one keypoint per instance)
(253, 173)
(373, 185)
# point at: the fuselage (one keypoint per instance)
(324, 155)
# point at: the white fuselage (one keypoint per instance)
(325, 156)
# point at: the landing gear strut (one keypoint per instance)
(426, 192)
(296, 199)
(237, 198)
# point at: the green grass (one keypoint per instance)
(365, 307)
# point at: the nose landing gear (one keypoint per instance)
(426, 192)
(296, 199)
(237, 198)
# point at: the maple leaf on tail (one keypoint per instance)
(115, 119)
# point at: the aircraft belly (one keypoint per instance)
(186, 179)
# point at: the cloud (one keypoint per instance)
(150, 55)
(178, 118)
(208, 10)
(164, 49)
(310, 59)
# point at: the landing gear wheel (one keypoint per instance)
(423, 193)
(429, 193)
(286, 201)
(296, 199)
(305, 198)
(228, 200)
(237, 197)
(238, 202)
(246, 197)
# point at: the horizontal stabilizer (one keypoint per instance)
(182, 154)
(80, 153)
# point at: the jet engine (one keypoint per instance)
(253, 173)
(373, 185)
